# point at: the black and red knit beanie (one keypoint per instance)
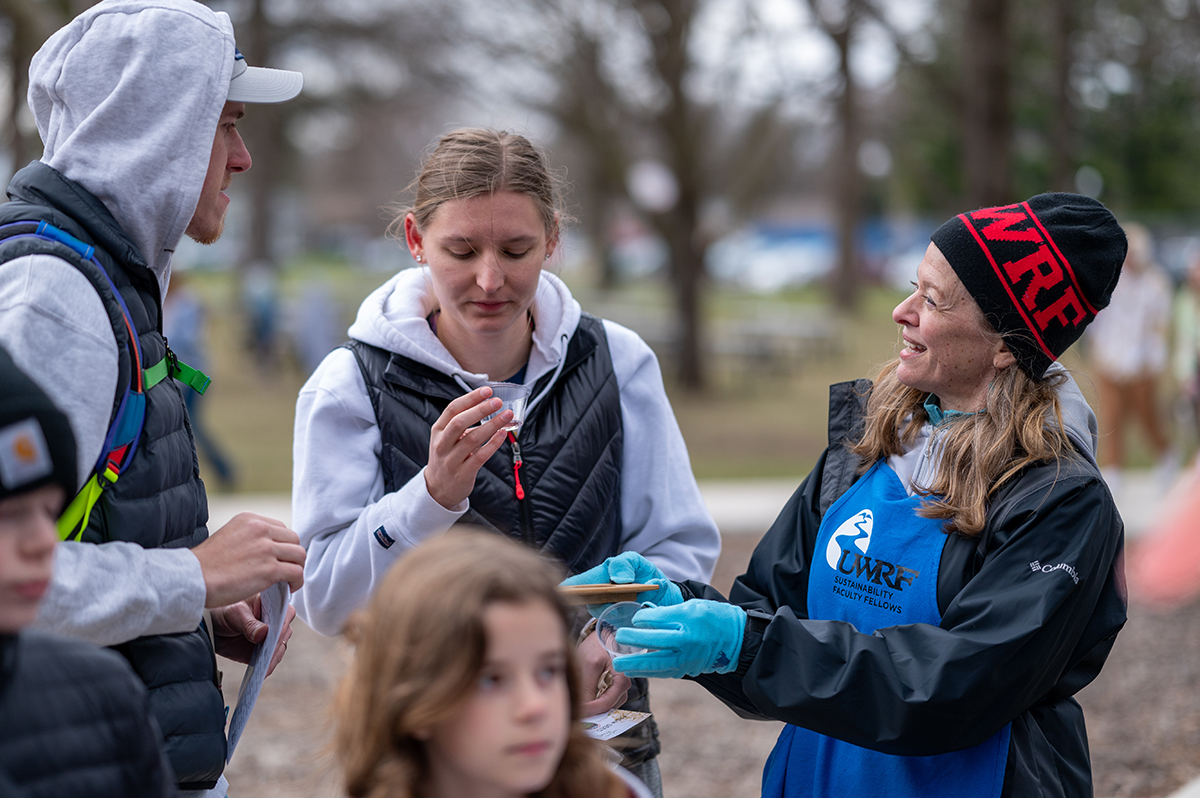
(1040, 270)
(37, 446)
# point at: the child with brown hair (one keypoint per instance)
(464, 682)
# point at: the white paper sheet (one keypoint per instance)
(612, 723)
(274, 606)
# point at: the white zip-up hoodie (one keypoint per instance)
(126, 98)
(338, 496)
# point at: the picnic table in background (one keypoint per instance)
(772, 343)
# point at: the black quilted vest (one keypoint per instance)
(74, 721)
(571, 446)
(159, 501)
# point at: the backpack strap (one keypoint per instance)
(129, 414)
(172, 366)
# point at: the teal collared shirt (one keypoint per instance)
(937, 415)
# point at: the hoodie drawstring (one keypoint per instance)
(516, 447)
(516, 464)
(562, 361)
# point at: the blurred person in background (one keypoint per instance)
(137, 103)
(260, 303)
(314, 324)
(186, 332)
(1127, 348)
(936, 591)
(1164, 568)
(391, 448)
(1186, 356)
(74, 719)
(470, 691)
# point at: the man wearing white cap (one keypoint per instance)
(127, 98)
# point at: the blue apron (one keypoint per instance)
(875, 565)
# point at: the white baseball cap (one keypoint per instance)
(261, 85)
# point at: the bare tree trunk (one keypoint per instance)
(597, 200)
(262, 125)
(847, 179)
(1062, 160)
(18, 62)
(32, 23)
(680, 223)
(687, 261)
(987, 140)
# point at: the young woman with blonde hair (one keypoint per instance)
(463, 682)
(391, 448)
(950, 574)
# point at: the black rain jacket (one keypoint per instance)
(1030, 610)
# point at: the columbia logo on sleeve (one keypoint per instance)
(1036, 566)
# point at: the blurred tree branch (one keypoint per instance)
(839, 21)
(31, 23)
(624, 78)
(397, 37)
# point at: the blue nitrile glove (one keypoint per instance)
(629, 568)
(697, 636)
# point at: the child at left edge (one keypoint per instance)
(74, 719)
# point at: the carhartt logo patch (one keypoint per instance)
(24, 455)
(383, 538)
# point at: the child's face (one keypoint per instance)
(27, 539)
(510, 735)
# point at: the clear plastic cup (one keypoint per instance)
(618, 616)
(515, 397)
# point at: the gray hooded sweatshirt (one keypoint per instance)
(126, 98)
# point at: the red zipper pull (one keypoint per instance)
(516, 464)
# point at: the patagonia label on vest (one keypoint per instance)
(383, 538)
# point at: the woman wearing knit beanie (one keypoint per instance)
(74, 719)
(929, 601)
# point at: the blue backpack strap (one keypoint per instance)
(125, 428)
(134, 379)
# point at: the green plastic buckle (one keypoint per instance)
(198, 380)
(171, 366)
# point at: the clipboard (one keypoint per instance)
(603, 594)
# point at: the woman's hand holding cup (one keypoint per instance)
(459, 445)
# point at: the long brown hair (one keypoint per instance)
(420, 647)
(1021, 425)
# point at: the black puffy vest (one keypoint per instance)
(159, 501)
(571, 446)
(75, 722)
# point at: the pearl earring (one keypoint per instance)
(418, 259)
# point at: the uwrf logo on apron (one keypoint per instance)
(854, 530)
(855, 533)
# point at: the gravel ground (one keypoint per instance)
(1143, 716)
